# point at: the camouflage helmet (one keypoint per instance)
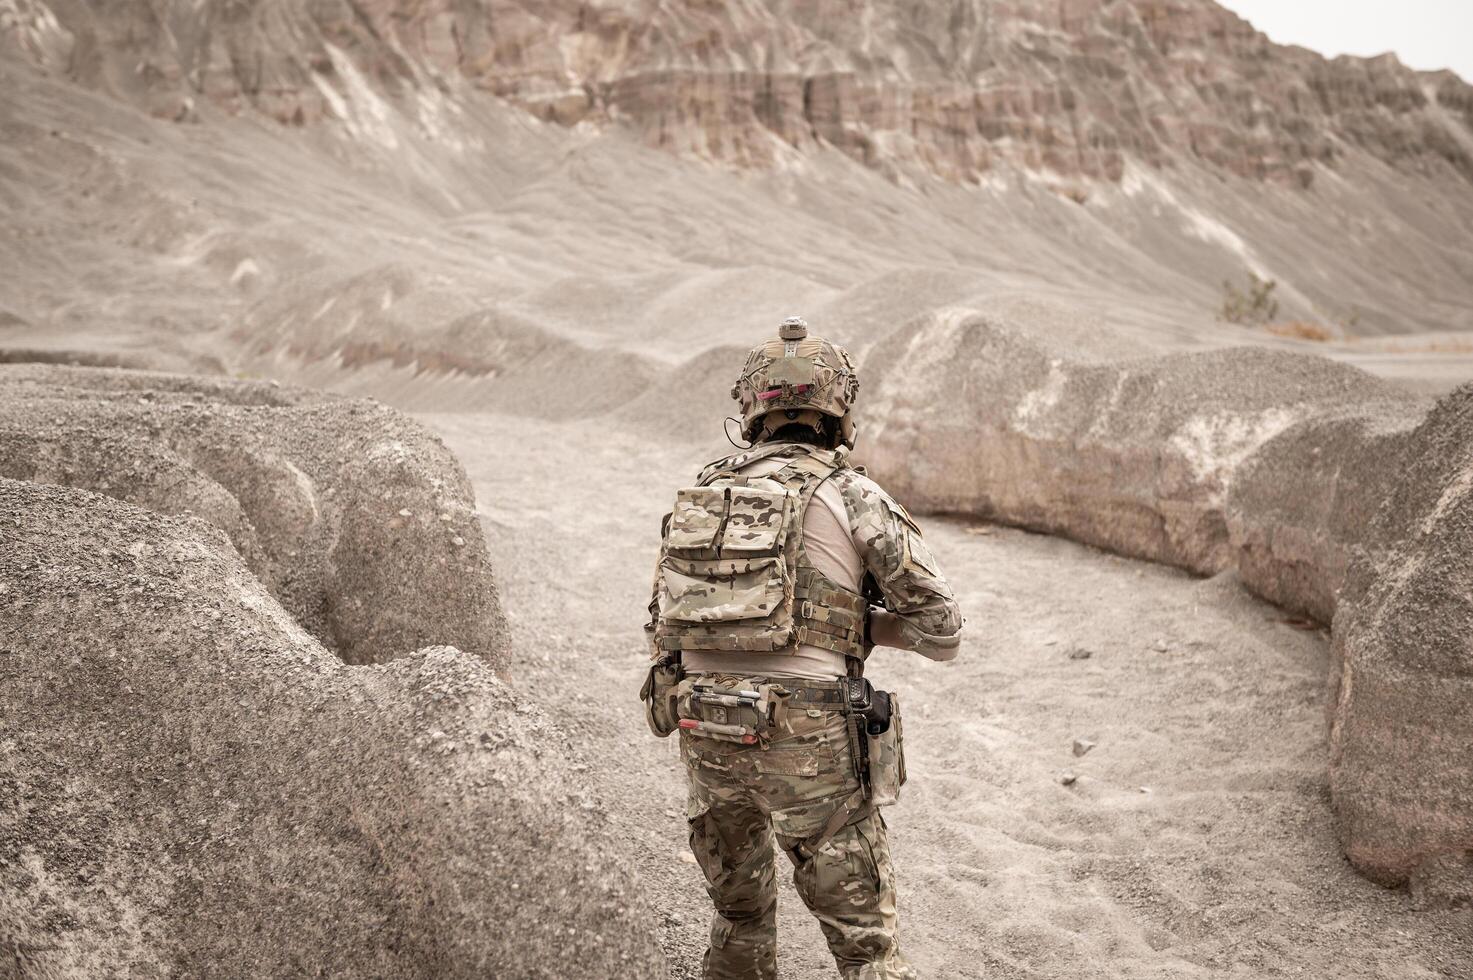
(800, 376)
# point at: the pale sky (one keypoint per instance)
(1424, 34)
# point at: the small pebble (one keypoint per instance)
(1068, 779)
(1080, 653)
(1082, 745)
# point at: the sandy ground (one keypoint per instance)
(1196, 840)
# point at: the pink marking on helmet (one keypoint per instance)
(772, 393)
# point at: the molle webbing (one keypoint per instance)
(715, 640)
(824, 614)
(827, 616)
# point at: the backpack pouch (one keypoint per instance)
(696, 521)
(756, 521)
(725, 591)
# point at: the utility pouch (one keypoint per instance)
(886, 749)
(659, 695)
(746, 714)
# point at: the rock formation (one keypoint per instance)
(359, 521)
(1401, 734)
(1063, 428)
(953, 88)
(191, 785)
(1324, 489)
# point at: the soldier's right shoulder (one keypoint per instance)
(863, 496)
(856, 483)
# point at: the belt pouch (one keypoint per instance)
(731, 712)
(887, 759)
(659, 695)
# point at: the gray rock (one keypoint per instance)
(191, 785)
(1401, 732)
(327, 499)
(1071, 434)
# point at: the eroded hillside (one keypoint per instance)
(273, 188)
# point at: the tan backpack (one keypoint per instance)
(731, 576)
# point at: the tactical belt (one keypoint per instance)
(832, 693)
(834, 696)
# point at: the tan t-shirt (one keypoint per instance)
(832, 551)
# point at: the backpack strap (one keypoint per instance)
(802, 474)
(737, 460)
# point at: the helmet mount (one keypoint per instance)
(793, 328)
(799, 379)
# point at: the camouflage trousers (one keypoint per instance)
(742, 798)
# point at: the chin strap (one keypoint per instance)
(726, 431)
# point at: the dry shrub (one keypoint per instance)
(1302, 330)
(1256, 305)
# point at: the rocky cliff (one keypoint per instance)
(952, 88)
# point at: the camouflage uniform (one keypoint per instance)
(740, 796)
(800, 783)
(903, 568)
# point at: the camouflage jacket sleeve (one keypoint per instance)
(896, 556)
(654, 607)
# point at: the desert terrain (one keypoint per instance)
(1195, 841)
(350, 356)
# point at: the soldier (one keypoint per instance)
(767, 597)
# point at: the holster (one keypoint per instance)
(887, 758)
(876, 746)
(877, 739)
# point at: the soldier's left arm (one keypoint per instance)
(654, 607)
(922, 613)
